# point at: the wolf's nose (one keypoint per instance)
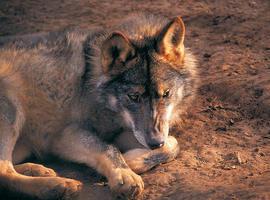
(156, 143)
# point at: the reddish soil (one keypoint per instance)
(225, 140)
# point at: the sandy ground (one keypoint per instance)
(225, 140)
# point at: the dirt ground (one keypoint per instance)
(225, 140)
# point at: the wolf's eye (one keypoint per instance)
(134, 97)
(166, 93)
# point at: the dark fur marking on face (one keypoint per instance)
(132, 76)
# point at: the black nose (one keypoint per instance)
(156, 143)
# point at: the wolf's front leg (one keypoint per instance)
(81, 146)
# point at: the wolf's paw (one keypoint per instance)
(171, 148)
(126, 184)
(60, 188)
(162, 155)
(31, 169)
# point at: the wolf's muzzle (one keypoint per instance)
(155, 140)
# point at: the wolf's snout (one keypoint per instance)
(155, 140)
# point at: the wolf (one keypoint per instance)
(101, 97)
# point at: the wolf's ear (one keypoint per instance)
(115, 52)
(170, 42)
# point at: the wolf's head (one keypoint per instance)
(146, 80)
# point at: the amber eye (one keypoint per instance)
(166, 93)
(134, 97)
